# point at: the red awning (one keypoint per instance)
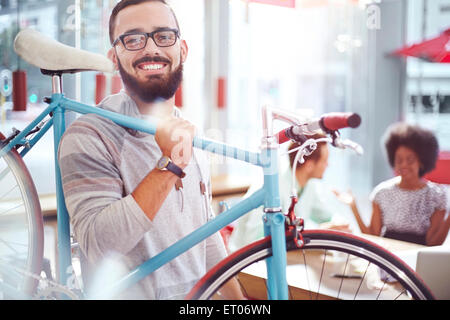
(432, 50)
(281, 3)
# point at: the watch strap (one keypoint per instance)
(175, 169)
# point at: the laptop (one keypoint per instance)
(433, 266)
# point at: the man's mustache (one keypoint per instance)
(150, 59)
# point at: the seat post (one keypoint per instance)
(56, 83)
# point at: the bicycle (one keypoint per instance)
(21, 263)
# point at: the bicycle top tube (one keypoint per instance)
(150, 125)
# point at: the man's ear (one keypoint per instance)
(184, 50)
(113, 57)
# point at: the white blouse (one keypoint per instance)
(408, 211)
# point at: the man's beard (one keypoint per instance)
(156, 88)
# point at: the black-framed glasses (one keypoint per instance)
(134, 41)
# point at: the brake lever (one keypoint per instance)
(346, 143)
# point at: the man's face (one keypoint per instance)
(152, 72)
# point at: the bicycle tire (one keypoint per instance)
(21, 227)
(317, 240)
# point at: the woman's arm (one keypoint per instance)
(437, 233)
(375, 222)
(374, 227)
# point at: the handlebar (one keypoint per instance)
(328, 123)
(335, 121)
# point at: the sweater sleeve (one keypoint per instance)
(104, 219)
(215, 250)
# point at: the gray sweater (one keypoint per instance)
(101, 164)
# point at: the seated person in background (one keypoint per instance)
(317, 204)
(408, 207)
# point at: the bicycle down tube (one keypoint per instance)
(268, 196)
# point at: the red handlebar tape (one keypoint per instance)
(328, 122)
(281, 136)
(335, 121)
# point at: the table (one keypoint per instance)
(226, 185)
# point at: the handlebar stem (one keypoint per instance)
(269, 141)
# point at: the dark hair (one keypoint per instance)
(422, 141)
(315, 156)
(126, 3)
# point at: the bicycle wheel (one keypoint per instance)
(331, 265)
(21, 228)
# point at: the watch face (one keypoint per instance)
(162, 163)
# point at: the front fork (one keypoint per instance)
(278, 225)
(274, 225)
(276, 265)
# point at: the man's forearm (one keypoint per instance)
(153, 190)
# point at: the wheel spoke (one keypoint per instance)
(306, 273)
(11, 209)
(321, 273)
(343, 275)
(4, 172)
(381, 289)
(9, 191)
(10, 243)
(400, 294)
(362, 280)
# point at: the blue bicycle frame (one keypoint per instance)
(268, 196)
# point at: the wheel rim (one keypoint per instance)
(21, 229)
(408, 285)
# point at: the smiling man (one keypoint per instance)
(129, 194)
(150, 63)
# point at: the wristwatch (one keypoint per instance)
(165, 163)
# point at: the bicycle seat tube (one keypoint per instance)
(59, 126)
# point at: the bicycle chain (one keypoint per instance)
(50, 286)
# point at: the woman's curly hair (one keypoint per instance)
(422, 141)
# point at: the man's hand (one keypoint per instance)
(345, 197)
(174, 137)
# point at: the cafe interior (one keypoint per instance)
(386, 60)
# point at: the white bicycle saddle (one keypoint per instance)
(52, 56)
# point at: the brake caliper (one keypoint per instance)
(295, 225)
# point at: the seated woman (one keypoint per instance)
(408, 207)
